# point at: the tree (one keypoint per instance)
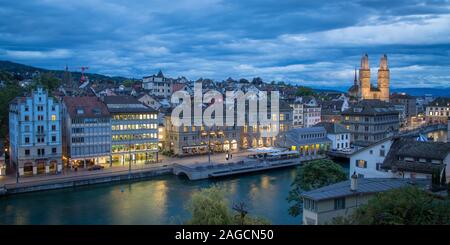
(210, 207)
(8, 93)
(304, 91)
(257, 81)
(403, 206)
(48, 81)
(312, 175)
(243, 80)
(128, 83)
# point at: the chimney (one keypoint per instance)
(354, 182)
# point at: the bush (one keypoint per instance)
(210, 207)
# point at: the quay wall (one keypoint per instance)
(86, 180)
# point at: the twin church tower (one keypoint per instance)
(363, 89)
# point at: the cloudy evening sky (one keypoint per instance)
(314, 43)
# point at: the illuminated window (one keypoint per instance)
(281, 117)
(53, 117)
(361, 164)
(347, 118)
(294, 148)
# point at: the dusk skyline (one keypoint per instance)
(312, 43)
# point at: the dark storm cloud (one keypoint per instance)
(309, 42)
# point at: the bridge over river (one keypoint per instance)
(424, 130)
(244, 165)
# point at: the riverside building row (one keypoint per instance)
(194, 140)
(47, 135)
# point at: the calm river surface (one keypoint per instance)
(155, 201)
(160, 200)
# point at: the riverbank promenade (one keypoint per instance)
(165, 165)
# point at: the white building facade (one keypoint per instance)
(157, 85)
(35, 134)
(402, 157)
(311, 115)
(338, 134)
(297, 113)
(367, 162)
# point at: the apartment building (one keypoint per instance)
(157, 85)
(86, 132)
(438, 111)
(370, 121)
(35, 134)
(134, 131)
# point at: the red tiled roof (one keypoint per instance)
(91, 105)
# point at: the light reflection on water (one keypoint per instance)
(158, 201)
(440, 135)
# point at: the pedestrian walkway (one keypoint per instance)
(216, 158)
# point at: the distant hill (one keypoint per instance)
(26, 71)
(422, 91)
(411, 91)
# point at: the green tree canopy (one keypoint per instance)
(7, 94)
(312, 175)
(404, 206)
(128, 83)
(48, 81)
(209, 206)
(304, 91)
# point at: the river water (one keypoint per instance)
(159, 200)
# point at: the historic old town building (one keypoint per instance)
(363, 89)
(438, 111)
(370, 121)
(86, 132)
(35, 134)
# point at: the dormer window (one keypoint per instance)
(80, 111)
(96, 111)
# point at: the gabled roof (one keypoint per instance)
(91, 106)
(369, 145)
(333, 128)
(364, 186)
(353, 89)
(409, 147)
(441, 102)
(294, 136)
(371, 107)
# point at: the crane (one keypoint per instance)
(83, 68)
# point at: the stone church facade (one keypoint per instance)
(362, 88)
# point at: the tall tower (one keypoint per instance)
(67, 78)
(364, 78)
(383, 79)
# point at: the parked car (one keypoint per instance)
(95, 167)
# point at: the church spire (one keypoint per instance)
(356, 79)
